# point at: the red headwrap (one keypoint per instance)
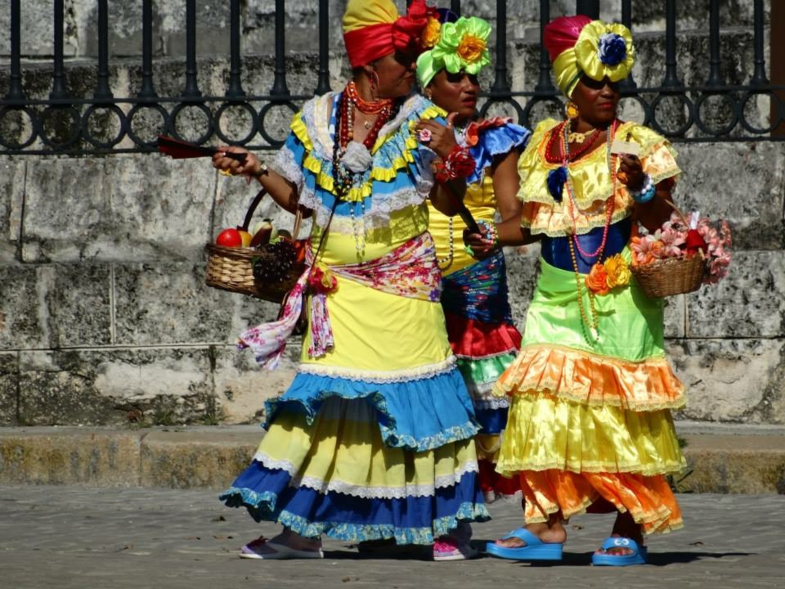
(375, 41)
(562, 34)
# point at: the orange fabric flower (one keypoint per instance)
(597, 280)
(431, 34)
(471, 48)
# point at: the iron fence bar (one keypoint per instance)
(590, 8)
(58, 76)
(500, 84)
(148, 89)
(15, 89)
(102, 89)
(715, 77)
(323, 84)
(235, 89)
(191, 85)
(628, 84)
(759, 76)
(671, 79)
(280, 88)
(544, 84)
(455, 6)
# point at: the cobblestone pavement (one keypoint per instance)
(84, 538)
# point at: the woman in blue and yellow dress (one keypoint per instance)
(474, 291)
(591, 391)
(373, 439)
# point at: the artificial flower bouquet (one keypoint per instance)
(681, 255)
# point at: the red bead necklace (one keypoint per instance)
(573, 155)
(365, 106)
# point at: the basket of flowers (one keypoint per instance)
(680, 256)
(265, 264)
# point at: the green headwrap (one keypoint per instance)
(462, 45)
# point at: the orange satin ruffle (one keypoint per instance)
(591, 379)
(649, 500)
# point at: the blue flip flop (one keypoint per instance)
(535, 548)
(638, 556)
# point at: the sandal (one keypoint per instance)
(280, 551)
(638, 556)
(535, 548)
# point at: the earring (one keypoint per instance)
(571, 110)
(373, 79)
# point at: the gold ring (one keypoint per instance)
(226, 173)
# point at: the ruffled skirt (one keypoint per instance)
(369, 445)
(589, 421)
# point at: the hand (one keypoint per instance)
(631, 172)
(480, 246)
(251, 168)
(442, 139)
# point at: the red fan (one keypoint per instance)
(182, 149)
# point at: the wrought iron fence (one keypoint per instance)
(64, 124)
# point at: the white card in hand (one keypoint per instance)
(625, 147)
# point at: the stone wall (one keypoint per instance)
(104, 316)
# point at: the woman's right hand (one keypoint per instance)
(250, 168)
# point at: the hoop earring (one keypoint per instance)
(571, 110)
(373, 80)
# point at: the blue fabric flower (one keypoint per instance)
(556, 180)
(612, 49)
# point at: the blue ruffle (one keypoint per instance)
(494, 141)
(268, 496)
(416, 415)
(492, 421)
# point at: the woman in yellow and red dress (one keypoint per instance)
(591, 391)
(374, 438)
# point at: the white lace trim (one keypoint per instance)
(285, 165)
(365, 492)
(494, 403)
(379, 376)
(414, 103)
(268, 462)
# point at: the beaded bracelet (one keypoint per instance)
(646, 192)
(490, 230)
(459, 164)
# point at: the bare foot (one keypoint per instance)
(624, 527)
(552, 532)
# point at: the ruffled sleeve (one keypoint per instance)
(490, 139)
(290, 158)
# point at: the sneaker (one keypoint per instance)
(448, 548)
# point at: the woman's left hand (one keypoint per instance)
(631, 172)
(480, 246)
(441, 138)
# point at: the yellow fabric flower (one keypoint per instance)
(617, 271)
(471, 48)
(431, 34)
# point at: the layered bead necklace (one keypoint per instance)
(344, 178)
(590, 319)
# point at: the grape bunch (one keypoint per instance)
(274, 266)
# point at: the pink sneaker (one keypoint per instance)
(448, 548)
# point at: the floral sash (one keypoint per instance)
(410, 270)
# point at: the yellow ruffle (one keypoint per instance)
(546, 432)
(591, 379)
(649, 500)
(378, 173)
(343, 452)
(590, 178)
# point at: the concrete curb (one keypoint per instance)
(722, 459)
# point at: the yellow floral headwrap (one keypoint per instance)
(580, 46)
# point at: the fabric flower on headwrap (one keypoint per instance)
(373, 29)
(579, 46)
(462, 46)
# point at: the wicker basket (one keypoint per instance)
(231, 268)
(672, 276)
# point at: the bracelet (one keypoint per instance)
(490, 230)
(459, 164)
(646, 192)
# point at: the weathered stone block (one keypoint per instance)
(711, 184)
(80, 305)
(749, 302)
(104, 458)
(12, 188)
(740, 380)
(202, 458)
(22, 309)
(242, 387)
(159, 386)
(9, 388)
(522, 275)
(675, 316)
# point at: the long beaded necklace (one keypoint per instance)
(591, 322)
(563, 129)
(446, 261)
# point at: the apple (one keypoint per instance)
(229, 238)
(246, 237)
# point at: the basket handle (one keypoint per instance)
(678, 211)
(298, 216)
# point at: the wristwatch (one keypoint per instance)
(263, 170)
